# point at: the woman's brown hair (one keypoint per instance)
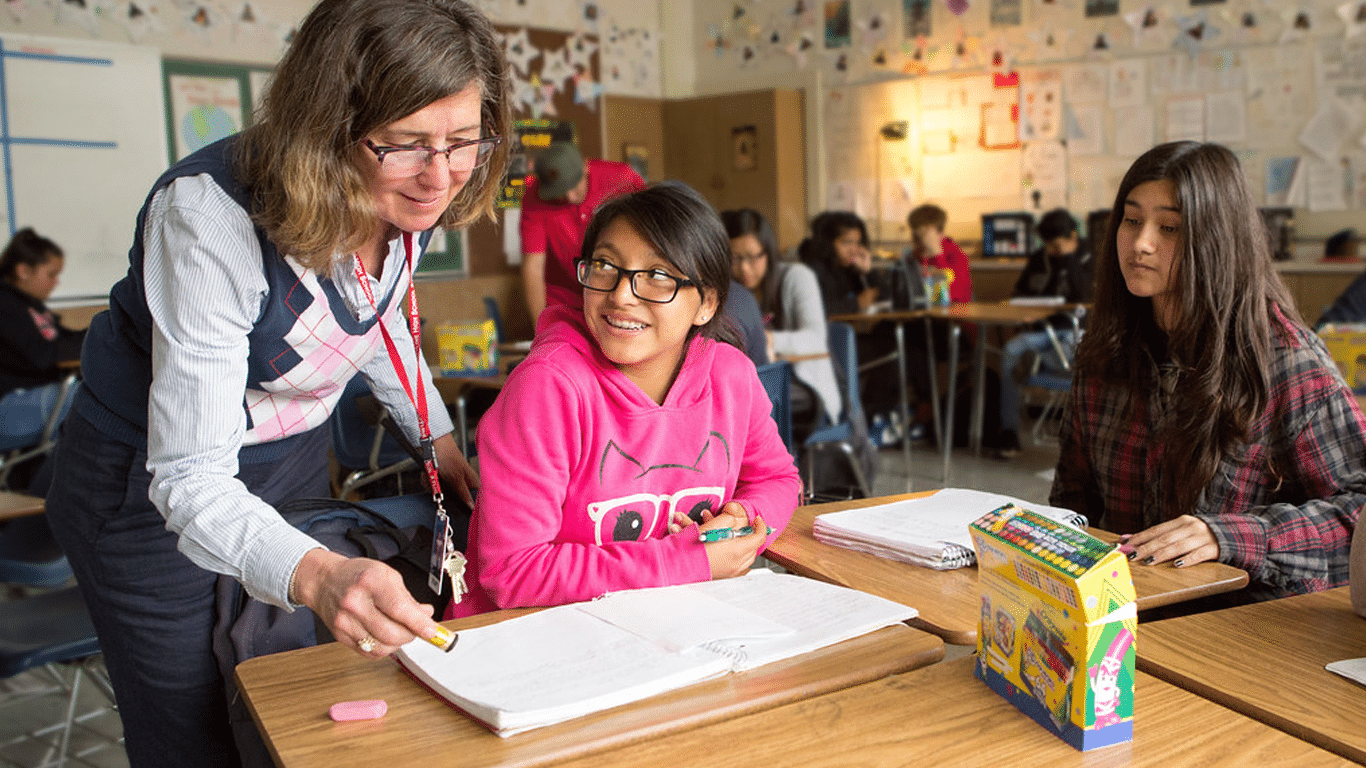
(1226, 294)
(354, 67)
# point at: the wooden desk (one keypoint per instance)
(14, 505)
(948, 600)
(942, 716)
(986, 313)
(289, 694)
(1266, 661)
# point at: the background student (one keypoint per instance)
(32, 338)
(204, 405)
(1205, 419)
(790, 297)
(934, 250)
(33, 342)
(838, 252)
(1062, 267)
(558, 201)
(647, 423)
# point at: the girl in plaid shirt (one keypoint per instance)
(1205, 420)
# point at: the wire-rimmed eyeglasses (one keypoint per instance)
(412, 160)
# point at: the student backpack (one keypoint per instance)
(245, 627)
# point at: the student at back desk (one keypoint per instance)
(1206, 421)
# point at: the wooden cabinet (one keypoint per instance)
(743, 150)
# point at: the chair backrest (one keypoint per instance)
(777, 380)
(353, 438)
(844, 355)
(496, 315)
(30, 417)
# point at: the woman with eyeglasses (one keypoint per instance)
(266, 271)
(634, 425)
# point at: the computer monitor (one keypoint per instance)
(1280, 229)
(1007, 234)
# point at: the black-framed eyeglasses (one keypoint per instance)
(653, 285)
(410, 161)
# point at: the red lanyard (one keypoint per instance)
(415, 330)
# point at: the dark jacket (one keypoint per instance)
(32, 341)
(1072, 277)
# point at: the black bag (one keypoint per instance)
(245, 628)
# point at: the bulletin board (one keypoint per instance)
(574, 99)
(1063, 134)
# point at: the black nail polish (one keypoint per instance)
(1132, 555)
(1149, 560)
(1179, 563)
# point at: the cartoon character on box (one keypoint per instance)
(1110, 693)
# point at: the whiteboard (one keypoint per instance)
(82, 138)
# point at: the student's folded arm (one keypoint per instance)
(769, 486)
(530, 449)
(204, 287)
(1302, 547)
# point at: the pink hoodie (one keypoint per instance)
(580, 469)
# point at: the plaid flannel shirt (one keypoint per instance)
(1292, 533)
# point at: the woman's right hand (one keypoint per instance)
(359, 599)
(733, 557)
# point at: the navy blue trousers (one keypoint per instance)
(154, 609)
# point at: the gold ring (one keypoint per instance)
(367, 644)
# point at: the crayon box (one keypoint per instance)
(1346, 342)
(468, 349)
(1056, 637)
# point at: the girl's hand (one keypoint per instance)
(866, 298)
(453, 467)
(733, 557)
(362, 601)
(1187, 540)
(733, 512)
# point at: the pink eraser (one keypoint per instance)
(358, 710)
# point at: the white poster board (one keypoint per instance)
(83, 137)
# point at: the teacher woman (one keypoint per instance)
(266, 271)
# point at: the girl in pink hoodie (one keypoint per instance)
(631, 427)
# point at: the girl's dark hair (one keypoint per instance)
(683, 228)
(356, 66)
(825, 230)
(747, 221)
(1227, 299)
(28, 248)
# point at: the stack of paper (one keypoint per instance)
(930, 531)
(576, 659)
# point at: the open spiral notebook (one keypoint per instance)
(572, 660)
(930, 531)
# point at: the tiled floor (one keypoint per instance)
(1027, 477)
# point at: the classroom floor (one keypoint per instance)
(94, 740)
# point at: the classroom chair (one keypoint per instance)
(362, 445)
(496, 315)
(1054, 384)
(30, 556)
(844, 434)
(51, 632)
(28, 422)
(777, 380)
